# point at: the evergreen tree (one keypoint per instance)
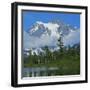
(47, 57)
(60, 44)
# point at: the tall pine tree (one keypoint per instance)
(60, 44)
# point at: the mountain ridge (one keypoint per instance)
(47, 34)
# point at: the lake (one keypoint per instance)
(39, 71)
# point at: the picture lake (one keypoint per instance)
(40, 71)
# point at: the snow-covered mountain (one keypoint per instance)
(47, 34)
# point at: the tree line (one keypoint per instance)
(48, 57)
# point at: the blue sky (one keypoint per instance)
(30, 18)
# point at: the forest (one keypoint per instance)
(67, 59)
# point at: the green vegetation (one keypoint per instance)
(67, 59)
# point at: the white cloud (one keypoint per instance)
(72, 38)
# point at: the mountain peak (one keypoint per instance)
(47, 34)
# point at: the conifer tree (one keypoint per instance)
(47, 54)
(60, 43)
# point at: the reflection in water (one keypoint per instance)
(40, 71)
